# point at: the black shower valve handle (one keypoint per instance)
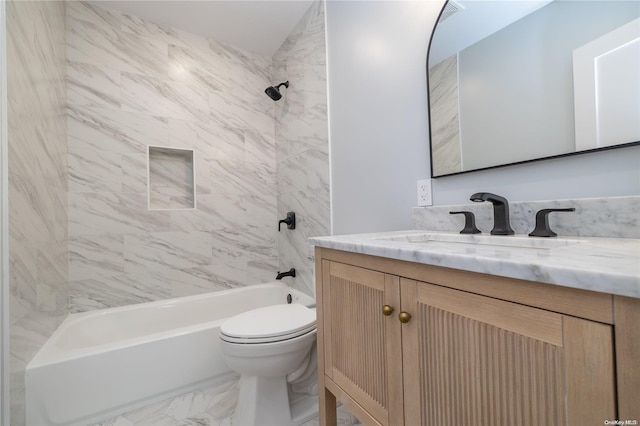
(542, 228)
(290, 221)
(469, 223)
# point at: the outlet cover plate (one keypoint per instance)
(424, 193)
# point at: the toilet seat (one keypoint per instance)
(269, 324)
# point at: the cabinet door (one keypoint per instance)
(475, 360)
(361, 345)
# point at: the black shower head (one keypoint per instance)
(274, 92)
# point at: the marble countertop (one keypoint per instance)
(609, 265)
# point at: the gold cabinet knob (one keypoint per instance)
(404, 317)
(387, 310)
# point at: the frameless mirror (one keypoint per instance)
(517, 81)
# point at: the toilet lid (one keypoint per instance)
(271, 322)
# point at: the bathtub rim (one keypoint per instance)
(50, 354)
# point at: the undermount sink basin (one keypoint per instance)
(482, 240)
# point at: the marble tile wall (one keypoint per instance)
(302, 144)
(132, 83)
(445, 121)
(37, 139)
(608, 217)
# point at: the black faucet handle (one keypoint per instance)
(290, 221)
(542, 222)
(469, 223)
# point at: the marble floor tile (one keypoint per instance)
(211, 406)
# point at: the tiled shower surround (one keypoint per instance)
(302, 144)
(37, 140)
(133, 84)
(81, 234)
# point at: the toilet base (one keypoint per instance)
(264, 401)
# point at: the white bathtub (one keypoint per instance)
(103, 363)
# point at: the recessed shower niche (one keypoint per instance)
(171, 178)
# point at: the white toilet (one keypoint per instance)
(273, 349)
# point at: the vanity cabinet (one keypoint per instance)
(405, 343)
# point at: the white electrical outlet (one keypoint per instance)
(424, 193)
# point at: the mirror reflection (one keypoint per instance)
(514, 81)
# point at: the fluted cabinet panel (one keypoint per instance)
(358, 337)
(363, 356)
(488, 362)
(491, 376)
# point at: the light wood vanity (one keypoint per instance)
(403, 343)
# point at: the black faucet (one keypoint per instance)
(500, 212)
(290, 273)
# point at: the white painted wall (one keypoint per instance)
(379, 127)
(603, 174)
(377, 110)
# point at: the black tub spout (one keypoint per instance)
(290, 273)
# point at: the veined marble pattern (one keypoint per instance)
(609, 217)
(93, 256)
(230, 142)
(608, 265)
(38, 184)
(105, 44)
(302, 145)
(445, 120)
(83, 80)
(162, 97)
(114, 130)
(132, 83)
(207, 407)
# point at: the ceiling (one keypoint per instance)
(256, 25)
